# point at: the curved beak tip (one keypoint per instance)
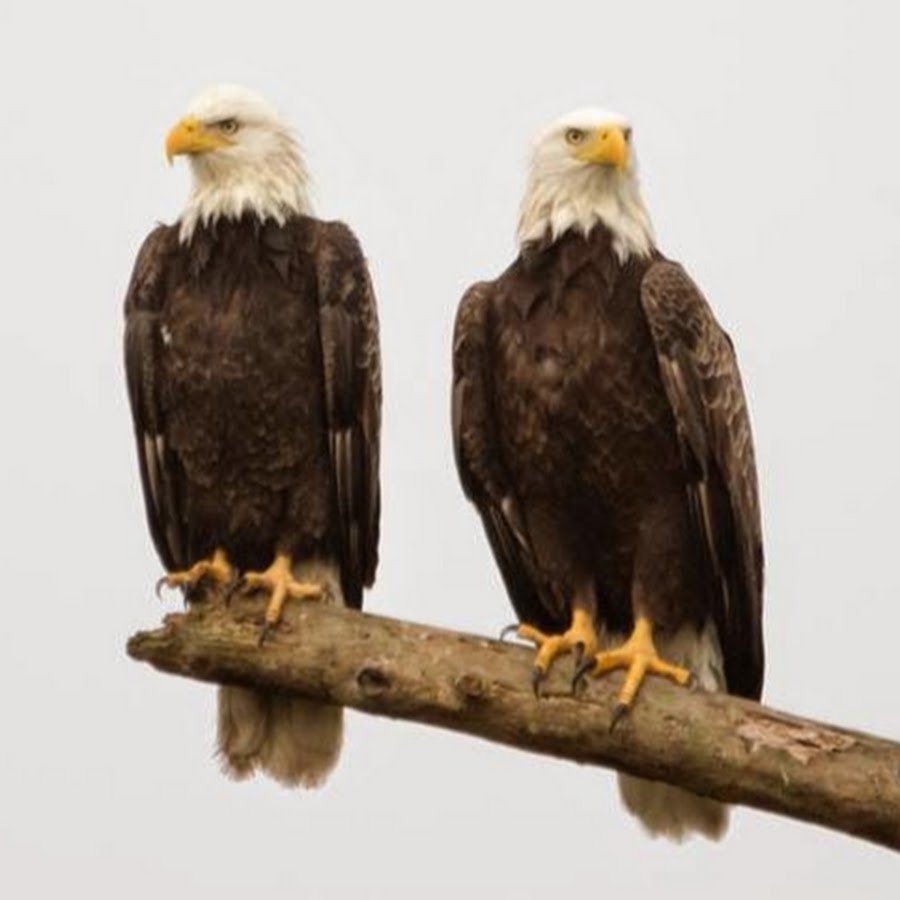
(609, 148)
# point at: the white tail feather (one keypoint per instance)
(671, 812)
(665, 810)
(295, 741)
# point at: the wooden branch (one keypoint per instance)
(712, 744)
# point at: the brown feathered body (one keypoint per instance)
(253, 370)
(601, 431)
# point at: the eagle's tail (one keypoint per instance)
(663, 809)
(295, 741)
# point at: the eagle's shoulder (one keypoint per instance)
(341, 265)
(341, 237)
(148, 276)
(676, 307)
(329, 239)
(472, 309)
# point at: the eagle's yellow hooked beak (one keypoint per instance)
(192, 136)
(608, 147)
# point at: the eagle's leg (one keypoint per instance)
(216, 569)
(639, 657)
(580, 638)
(279, 580)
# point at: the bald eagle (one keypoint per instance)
(251, 352)
(601, 430)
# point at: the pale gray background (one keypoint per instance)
(769, 144)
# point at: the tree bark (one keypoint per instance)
(713, 744)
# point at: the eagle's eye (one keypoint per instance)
(574, 135)
(227, 126)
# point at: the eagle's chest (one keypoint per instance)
(585, 351)
(232, 335)
(578, 387)
(242, 372)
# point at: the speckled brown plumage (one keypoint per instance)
(254, 380)
(601, 430)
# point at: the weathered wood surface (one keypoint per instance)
(716, 745)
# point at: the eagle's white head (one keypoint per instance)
(244, 159)
(583, 171)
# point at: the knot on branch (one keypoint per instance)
(471, 687)
(372, 682)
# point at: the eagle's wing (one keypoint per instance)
(480, 464)
(701, 378)
(162, 475)
(348, 323)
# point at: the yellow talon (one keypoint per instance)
(581, 634)
(638, 655)
(279, 579)
(216, 568)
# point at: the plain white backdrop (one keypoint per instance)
(769, 144)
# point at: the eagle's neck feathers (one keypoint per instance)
(228, 188)
(559, 201)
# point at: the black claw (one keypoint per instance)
(581, 670)
(510, 629)
(265, 631)
(692, 683)
(620, 710)
(537, 679)
(235, 586)
(579, 655)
